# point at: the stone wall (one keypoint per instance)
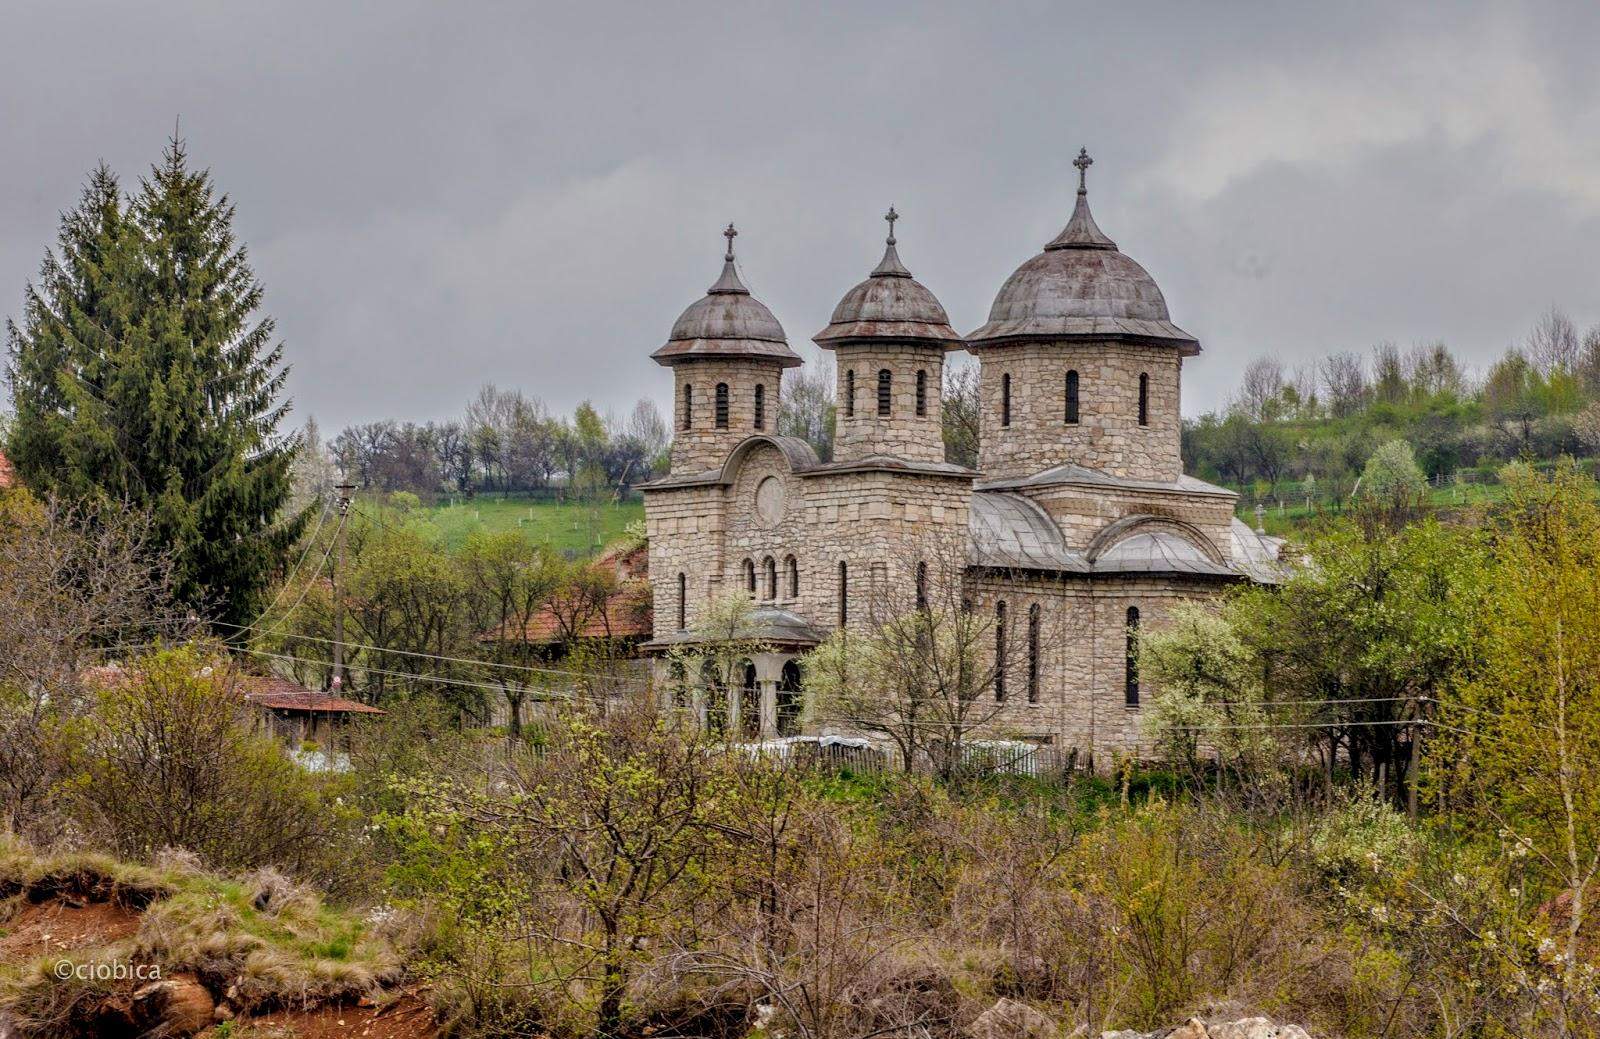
(1107, 435)
(703, 446)
(902, 433)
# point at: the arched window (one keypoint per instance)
(688, 406)
(885, 391)
(789, 700)
(1072, 398)
(1005, 399)
(749, 704)
(1131, 662)
(683, 601)
(722, 405)
(771, 567)
(922, 585)
(922, 392)
(1000, 662)
(1033, 653)
(844, 593)
(793, 567)
(750, 577)
(1144, 399)
(761, 406)
(850, 393)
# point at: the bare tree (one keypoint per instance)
(805, 407)
(959, 409)
(75, 582)
(1553, 343)
(1261, 389)
(929, 666)
(1344, 377)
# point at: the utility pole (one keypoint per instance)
(342, 501)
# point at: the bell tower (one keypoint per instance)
(889, 336)
(727, 354)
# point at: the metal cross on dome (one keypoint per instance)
(730, 234)
(891, 216)
(1083, 162)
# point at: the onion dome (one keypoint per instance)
(890, 304)
(1082, 287)
(727, 322)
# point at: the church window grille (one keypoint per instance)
(850, 393)
(922, 392)
(683, 601)
(1144, 399)
(722, 405)
(1131, 661)
(1033, 653)
(844, 593)
(761, 406)
(922, 585)
(885, 391)
(1000, 661)
(688, 406)
(1005, 399)
(1072, 398)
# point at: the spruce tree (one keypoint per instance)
(166, 389)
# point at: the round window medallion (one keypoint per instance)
(770, 505)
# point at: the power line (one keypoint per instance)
(304, 591)
(288, 579)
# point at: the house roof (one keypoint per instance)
(8, 475)
(270, 691)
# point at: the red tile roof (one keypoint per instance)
(270, 691)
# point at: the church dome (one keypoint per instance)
(890, 304)
(1082, 287)
(727, 322)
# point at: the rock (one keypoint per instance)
(1194, 1028)
(179, 1006)
(1257, 1028)
(223, 1013)
(1009, 1019)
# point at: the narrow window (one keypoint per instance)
(1005, 399)
(1072, 398)
(844, 593)
(688, 406)
(922, 392)
(793, 567)
(1000, 652)
(922, 586)
(761, 406)
(1131, 663)
(722, 405)
(850, 393)
(771, 567)
(1144, 399)
(683, 602)
(1033, 653)
(885, 391)
(750, 577)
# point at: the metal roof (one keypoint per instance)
(765, 624)
(1082, 287)
(1010, 531)
(1070, 473)
(890, 304)
(727, 322)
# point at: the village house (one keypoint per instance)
(1077, 528)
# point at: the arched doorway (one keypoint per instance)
(790, 704)
(749, 704)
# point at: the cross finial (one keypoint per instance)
(730, 234)
(1083, 162)
(891, 216)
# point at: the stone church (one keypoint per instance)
(1077, 528)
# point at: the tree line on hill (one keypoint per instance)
(1312, 428)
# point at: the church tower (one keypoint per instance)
(1080, 362)
(889, 336)
(727, 354)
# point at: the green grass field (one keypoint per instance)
(564, 527)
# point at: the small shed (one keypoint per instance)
(296, 714)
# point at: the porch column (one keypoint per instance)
(769, 668)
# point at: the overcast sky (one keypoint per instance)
(439, 195)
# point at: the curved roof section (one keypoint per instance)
(1010, 531)
(890, 304)
(1082, 287)
(767, 624)
(727, 322)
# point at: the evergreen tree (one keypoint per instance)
(143, 375)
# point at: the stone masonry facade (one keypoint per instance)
(1079, 527)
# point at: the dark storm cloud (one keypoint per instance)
(440, 195)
